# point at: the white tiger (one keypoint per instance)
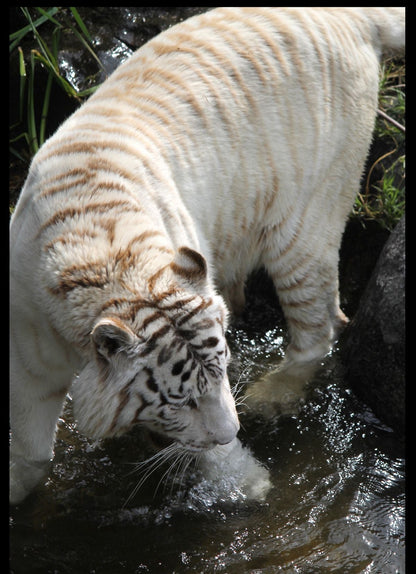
(233, 140)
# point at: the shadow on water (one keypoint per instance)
(337, 502)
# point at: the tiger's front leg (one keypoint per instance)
(37, 394)
(33, 419)
(310, 302)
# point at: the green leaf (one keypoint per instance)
(80, 23)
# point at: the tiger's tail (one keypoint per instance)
(388, 27)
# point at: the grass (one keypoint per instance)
(31, 126)
(383, 196)
(381, 199)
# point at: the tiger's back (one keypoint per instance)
(239, 135)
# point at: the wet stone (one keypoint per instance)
(374, 348)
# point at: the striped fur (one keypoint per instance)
(233, 140)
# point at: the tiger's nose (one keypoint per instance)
(226, 433)
(219, 417)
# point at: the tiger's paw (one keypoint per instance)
(282, 391)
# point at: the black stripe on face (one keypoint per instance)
(165, 354)
(185, 377)
(178, 367)
(151, 381)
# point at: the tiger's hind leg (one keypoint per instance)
(305, 275)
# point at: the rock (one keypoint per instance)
(374, 344)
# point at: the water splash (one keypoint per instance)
(235, 472)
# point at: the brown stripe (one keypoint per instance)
(224, 69)
(295, 284)
(132, 308)
(94, 149)
(77, 236)
(186, 272)
(66, 186)
(282, 30)
(299, 304)
(154, 317)
(100, 164)
(237, 39)
(174, 84)
(177, 305)
(89, 148)
(87, 276)
(124, 397)
(203, 305)
(154, 278)
(307, 326)
(149, 234)
(195, 266)
(152, 341)
(166, 116)
(102, 207)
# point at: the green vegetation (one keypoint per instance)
(29, 127)
(383, 196)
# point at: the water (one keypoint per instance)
(336, 502)
(337, 499)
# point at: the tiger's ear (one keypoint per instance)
(190, 265)
(111, 336)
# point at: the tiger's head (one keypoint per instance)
(162, 363)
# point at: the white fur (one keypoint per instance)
(240, 134)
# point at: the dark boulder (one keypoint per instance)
(373, 349)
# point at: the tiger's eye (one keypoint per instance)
(210, 342)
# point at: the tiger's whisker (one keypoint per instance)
(153, 460)
(182, 467)
(238, 384)
(169, 470)
(146, 469)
